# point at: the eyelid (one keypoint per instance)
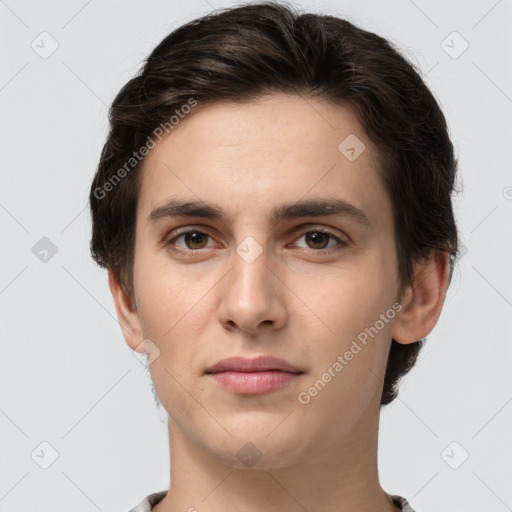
(307, 228)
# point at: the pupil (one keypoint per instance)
(315, 236)
(195, 237)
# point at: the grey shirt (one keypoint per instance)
(146, 505)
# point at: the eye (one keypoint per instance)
(193, 239)
(318, 240)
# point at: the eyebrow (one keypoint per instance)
(299, 209)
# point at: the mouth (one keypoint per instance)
(257, 364)
(260, 375)
(254, 383)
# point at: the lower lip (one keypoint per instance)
(253, 383)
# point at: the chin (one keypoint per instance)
(254, 449)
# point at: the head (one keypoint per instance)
(248, 109)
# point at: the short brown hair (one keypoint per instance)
(242, 53)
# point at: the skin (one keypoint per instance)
(296, 301)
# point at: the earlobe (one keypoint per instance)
(423, 300)
(126, 313)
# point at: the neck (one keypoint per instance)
(341, 477)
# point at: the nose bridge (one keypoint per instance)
(251, 273)
(251, 295)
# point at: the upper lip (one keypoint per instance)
(257, 364)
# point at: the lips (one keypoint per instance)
(258, 364)
(257, 376)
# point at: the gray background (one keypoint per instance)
(67, 376)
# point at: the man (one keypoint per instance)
(273, 205)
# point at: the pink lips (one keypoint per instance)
(253, 376)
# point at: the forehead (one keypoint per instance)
(273, 123)
(277, 149)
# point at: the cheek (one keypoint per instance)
(356, 305)
(352, 298)
(173, 312)
(161, 292)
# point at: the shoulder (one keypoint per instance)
(402, 503)
(147, 504)
(150, 501)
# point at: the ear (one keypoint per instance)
(126, 313)
(423, 300)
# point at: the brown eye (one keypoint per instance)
(318, 240)
(194, 240)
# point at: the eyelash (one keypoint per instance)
(341, 243)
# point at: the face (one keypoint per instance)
(311, 286)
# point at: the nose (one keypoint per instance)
(253, 296)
